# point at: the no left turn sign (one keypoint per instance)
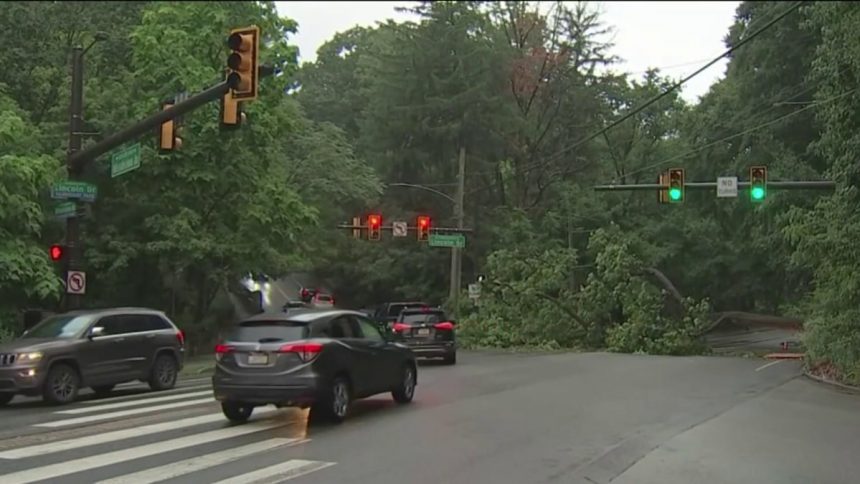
(76, 282)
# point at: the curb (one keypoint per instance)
(825, 381)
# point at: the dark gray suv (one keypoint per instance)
(91, 348)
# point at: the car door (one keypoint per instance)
(103, 358)
(345, 329)
(141, 335)
(385, 365)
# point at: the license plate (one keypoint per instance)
(424, 332)
(258, 359)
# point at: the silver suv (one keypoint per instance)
(91, 348)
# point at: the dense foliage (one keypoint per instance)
(520, 92)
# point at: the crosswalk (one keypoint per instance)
(109, 447)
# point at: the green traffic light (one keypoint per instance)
(757, 193)
(675, 193)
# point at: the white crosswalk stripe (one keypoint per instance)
(132, 403)
(187, 466)
(177, 448)
(277, 473)
(123, 413)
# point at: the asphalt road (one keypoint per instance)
(493, 418)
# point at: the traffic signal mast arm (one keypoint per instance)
(115, 140)
(784, 185)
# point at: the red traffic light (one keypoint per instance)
(373, 220)
(56, 252)
(423, 227)
(423, 221)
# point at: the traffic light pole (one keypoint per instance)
(76, 113)
(456, 253)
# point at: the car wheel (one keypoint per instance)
(102, 389)
(406, 388)
(334, 407)
(6, 398)
(237, 411)
(61, 385)
(164, 373)
(451, 359)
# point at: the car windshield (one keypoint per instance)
(60, 326)
(416, 318)
(268, 332)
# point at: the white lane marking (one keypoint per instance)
(281, 472)
(100, 460)
(124, 413)
(140, 396)
(117, 435)
(111, 406)
(762, 367)
(194, 464)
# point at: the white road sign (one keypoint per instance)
(76, 282)
(474, 291)
(727, 187)
(399, 229)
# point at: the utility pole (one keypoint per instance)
(456, 254)
(74, 261)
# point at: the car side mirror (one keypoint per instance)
(96, 331)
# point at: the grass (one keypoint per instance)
(199, 365)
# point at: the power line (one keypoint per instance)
(678, 84)
(742, 133)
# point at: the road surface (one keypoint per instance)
(493, 418)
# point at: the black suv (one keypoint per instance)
(386, 314)
(428, 332)
(91, 348)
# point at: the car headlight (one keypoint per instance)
(29, 357)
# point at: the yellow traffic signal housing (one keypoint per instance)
(662, 193)
(231, 112)
(675, 191)
(168, 132)
(356, 228)
(374, 222)
(423, 228)
(243, 62)
(758, 183)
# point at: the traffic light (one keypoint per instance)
(243, 77)
(56, 252)
(423, 228)
(168, 133)
(356, 228)
(758, 183)
(373, 224)
(676, 185)
(662, 193)
(231, 112)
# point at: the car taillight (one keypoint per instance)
(400, 327)
(306, 351)
(446, 326)
(180, 335)
(221, 350)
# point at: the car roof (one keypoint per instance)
(103, 311)
(307, 316)
(422, 310)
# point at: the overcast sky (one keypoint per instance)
(678, 37)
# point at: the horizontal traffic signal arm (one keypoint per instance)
(783, 185)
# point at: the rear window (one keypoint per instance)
(429, 317)
(268, 332)
(324, 298)
(394, 309)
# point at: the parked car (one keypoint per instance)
(322, 359)
(428, 332)
(91, 348)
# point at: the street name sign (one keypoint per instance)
(125, 160)
(74, 190)
(448, 240)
